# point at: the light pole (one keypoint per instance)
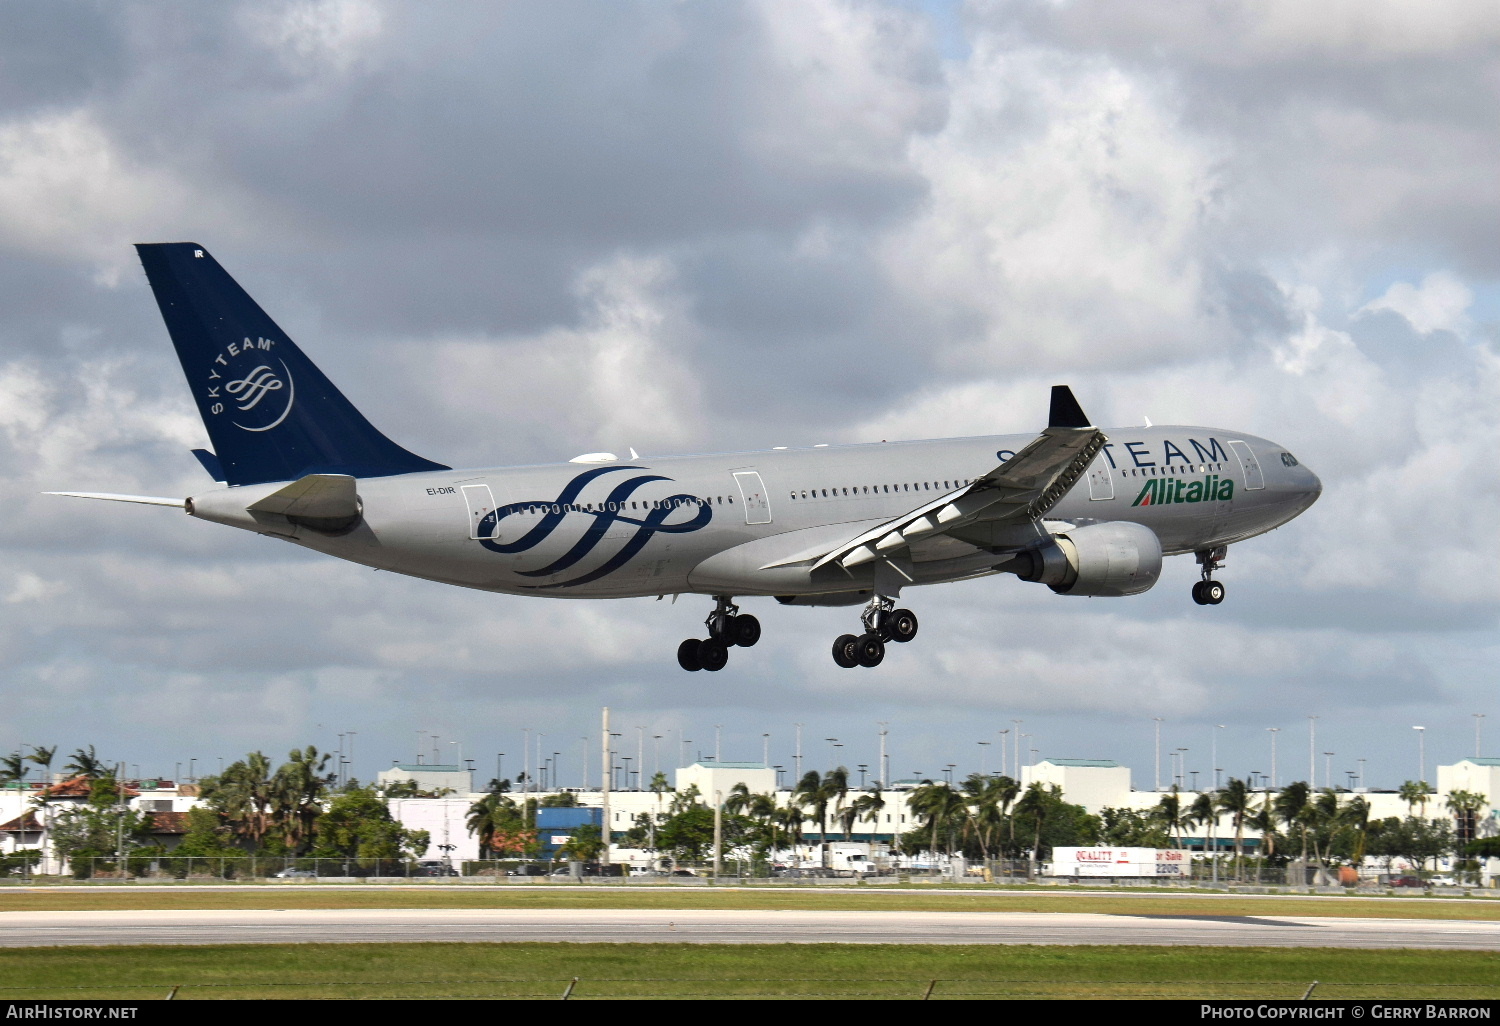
(1328, 769)
(1273, 731)
(655, 754)
(1478, 719)
(1421, 754)
(765, 749)
(1361, 773)
(797, 759)
(1158, 751)
(833, 745)
(499, 767)
(584, 761)
(1004, 765)
(983, 754)
(884, 769)
(1181, 765)
(718, 727)
(1312, 752)
(1214, 755)
(1017, 725)
(862, 767)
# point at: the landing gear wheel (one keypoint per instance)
(1208, 593)
(869, 649)
(687, 655)
(900, 624)
(744, 631)
(713, 655)
(845, 651)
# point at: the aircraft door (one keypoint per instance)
(480, 504)
(1101, 481)
(753, 494)
(1249, 464)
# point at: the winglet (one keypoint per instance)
(1066, 413)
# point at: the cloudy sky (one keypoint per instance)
(517, 232)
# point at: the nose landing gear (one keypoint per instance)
(727, 627)
(883, 623)
(1209, 592)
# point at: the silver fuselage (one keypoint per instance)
(737, 523)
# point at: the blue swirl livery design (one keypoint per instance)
(665, 516)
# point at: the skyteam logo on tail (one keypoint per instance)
(250, 384)
(675, 514)
(1161, 492)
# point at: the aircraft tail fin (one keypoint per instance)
(271, 414)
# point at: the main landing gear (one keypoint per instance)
(883, 623)
(727, 627)
(1209, 592)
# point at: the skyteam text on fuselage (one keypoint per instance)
(847, 525)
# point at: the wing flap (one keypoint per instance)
(1020, 490)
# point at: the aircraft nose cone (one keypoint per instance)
(1311, 488)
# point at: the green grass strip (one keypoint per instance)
(738, 971)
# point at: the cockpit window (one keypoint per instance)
(1288, 459)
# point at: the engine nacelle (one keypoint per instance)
(1109, 560)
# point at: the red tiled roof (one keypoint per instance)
(79, 787)
(26, 823)
(168, 822)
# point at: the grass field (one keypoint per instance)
(896, 971)
(850, 899)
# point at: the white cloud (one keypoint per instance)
(312, 36)
(1064, 218)
(1440, 303)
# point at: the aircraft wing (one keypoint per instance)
(1021, 490)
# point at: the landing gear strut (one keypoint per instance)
(883, 623)
(727, 627)
(1209, 592)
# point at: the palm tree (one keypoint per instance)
(763, 809)
(869, 805)
(939, 805)
(1037, 802)
(1414, 793)
(811, 793)
(86, 764)
(1203, 813)
(13, 768)
(1171, 813)
(1465, 806)
(1291, 804)
(487, 816)
(739, 799)
(1264, 820)
(298, 788)
(43, 757)
(242, 795)
(1234, 799)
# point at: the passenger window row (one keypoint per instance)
(1202, 468)
(886, 489)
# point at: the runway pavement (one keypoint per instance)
(695, 926)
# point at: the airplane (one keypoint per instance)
(1080, 511)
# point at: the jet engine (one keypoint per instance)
(1111, 560)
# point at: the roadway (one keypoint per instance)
(709, 926)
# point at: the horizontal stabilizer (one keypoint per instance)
(316, 496)
(147, 500)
